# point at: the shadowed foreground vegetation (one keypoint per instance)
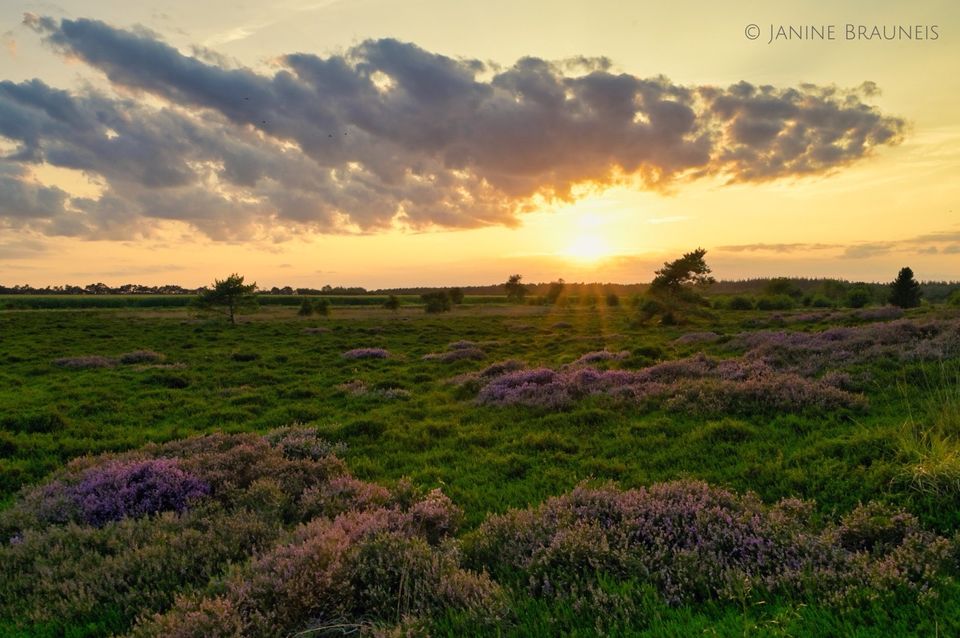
(776, 474)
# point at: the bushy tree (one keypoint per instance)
(858, 297)
(456, 296)
(613, 300)
(319, 306)
(516, 291)
(554, 292)
(392, 303)
(437, 301)
(904, 290)
(681, 277)
(783, 286)
(229, 297)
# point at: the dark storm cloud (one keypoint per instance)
(387, 133)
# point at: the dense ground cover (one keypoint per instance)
(499, 408)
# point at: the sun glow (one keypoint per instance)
(587, 248)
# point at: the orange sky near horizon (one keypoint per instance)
(895, 206)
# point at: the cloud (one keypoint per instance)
(387, 134)
(776, 248)
(22, 249)
(926, 244)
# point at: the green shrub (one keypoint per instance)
(776, 302)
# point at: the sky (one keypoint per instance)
(426, 142)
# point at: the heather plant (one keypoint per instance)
(600, 356)
(361, 569)
(457, 351)
(692, 542)
(707, 336)
(141, 356)
(366, 353)
(695, 385)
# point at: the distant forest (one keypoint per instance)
(797, 287)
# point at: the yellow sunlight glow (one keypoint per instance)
(588, 248)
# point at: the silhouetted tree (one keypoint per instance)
(516, 291)
(554, 291)
(229, 297)
(682, 276)
(392, 303)
(456, 296)
(437, 301)
(904, 290)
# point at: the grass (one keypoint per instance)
(276, 368)
(930, 437)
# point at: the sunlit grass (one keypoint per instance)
(930, 437)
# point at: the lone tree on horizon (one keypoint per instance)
(680, 277)
(229, 297)
(904, 290)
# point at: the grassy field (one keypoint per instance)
(877, 420)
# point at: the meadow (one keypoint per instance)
(516, 470)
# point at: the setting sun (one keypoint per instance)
(587, 248)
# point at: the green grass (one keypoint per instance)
(270, 371)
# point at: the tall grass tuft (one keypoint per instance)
(930, 437)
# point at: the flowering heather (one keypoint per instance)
(810, 353)
(696, 337)
(366, 353)
(121, 489)
(600, 355)
(696, 384)
(88, 361)
(359, 569)
(298, 442)
(884, 313)
(695, 542)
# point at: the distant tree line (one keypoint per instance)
(801, 290)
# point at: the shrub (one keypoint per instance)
(740, 303)
(121, 489)
(392, 303)
(361, 569)
(141, 356)
(858, 297)
(692, 542)
(306, 308)
(777, 302)
(612, 300)
(436, 302)
(459, 354)
(366, 353)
